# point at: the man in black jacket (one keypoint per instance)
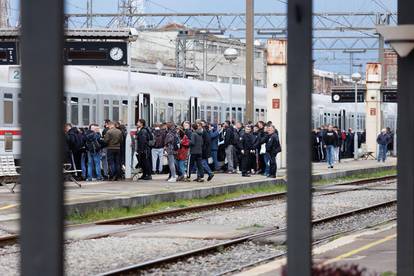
(272, 149)
(143, 149)
(330, 139)
(228, 137)
(206, 149)
(247, 150)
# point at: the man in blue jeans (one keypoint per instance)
(383, 140)
(330, 139)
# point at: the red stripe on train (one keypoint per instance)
(12, 132)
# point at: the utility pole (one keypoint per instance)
(4, 15)
(249, 116)
(89, 11)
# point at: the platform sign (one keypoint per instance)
(15, 74)
(389, 95)
(108, 53)
(276, 103)
(347, 96)
(373, 112)
(8, 53)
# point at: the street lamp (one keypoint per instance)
(231, 54)
(356, 77)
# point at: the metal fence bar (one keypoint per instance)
(405, 192)
(42, 126)
(299, 170)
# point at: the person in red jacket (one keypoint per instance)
(182, 154)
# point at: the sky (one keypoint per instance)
(323, 59)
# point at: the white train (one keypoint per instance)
(95, 94)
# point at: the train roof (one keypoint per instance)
(97, 80)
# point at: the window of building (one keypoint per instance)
(225, 79)
(258, 82)
(212, 78)
(236, 80)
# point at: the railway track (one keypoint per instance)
(139, 268)
(12, 239)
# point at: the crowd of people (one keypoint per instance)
(200, 148)
(331, 144)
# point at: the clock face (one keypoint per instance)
(116, 53)
(336, 97)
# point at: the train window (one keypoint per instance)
(8, 108)
(162, 113)
(227, 113)
(115, 110)
(124, 111)
(170, 114)
(85, 112)
(106, 110)
(74, 110)
(209, 115)
(178, 113)
(239, 114)
(257, 115)
(233, 114)
(262, 115)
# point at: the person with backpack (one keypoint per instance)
(93, 149)
(157, 150)
(143, 138)
(113, 139)
(182, 154)
(75, 143)
(172, 144)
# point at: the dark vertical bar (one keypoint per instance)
(249, 61)
(42, 126)
(405, 192)
(299, 89)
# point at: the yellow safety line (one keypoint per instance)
(363, 248)
(8, 206)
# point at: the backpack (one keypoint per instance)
(177, 143)
(151, 140)
(93, 145)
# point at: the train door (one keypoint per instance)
(143, 108)
(194, 109)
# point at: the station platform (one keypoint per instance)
(374, 250)
(104, 195)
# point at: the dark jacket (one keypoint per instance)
(159, 138)
(228, 136)
(273, 145)
(383, 139)
(262, 137)
(142, 138)
(196, 144)
(113, 138)
(247, 142)
(330, 138)
(170, 139)
(206, 144)
(214, 136)
(93, 142)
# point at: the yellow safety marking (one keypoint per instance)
(362, 248)
(8, 206)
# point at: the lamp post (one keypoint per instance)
(356, 77)
(231, 54)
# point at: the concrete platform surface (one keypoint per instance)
(374, 250)
(101, 195)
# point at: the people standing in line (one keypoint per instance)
(157, 150)
(143, 138)
(206, 153)
(94, 148)
(248, 151)
(228, 141)
(330, 141)
(182, 154)
(196, 151)
(113, 139)
(272, 149)
(172, 144)
(383, 139)
(238, 133)
(261, 147)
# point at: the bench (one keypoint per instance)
(8, 172)
(68, 173)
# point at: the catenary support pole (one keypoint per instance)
(405, 192)
(42, 145)
(299, 168)
(249, 61)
